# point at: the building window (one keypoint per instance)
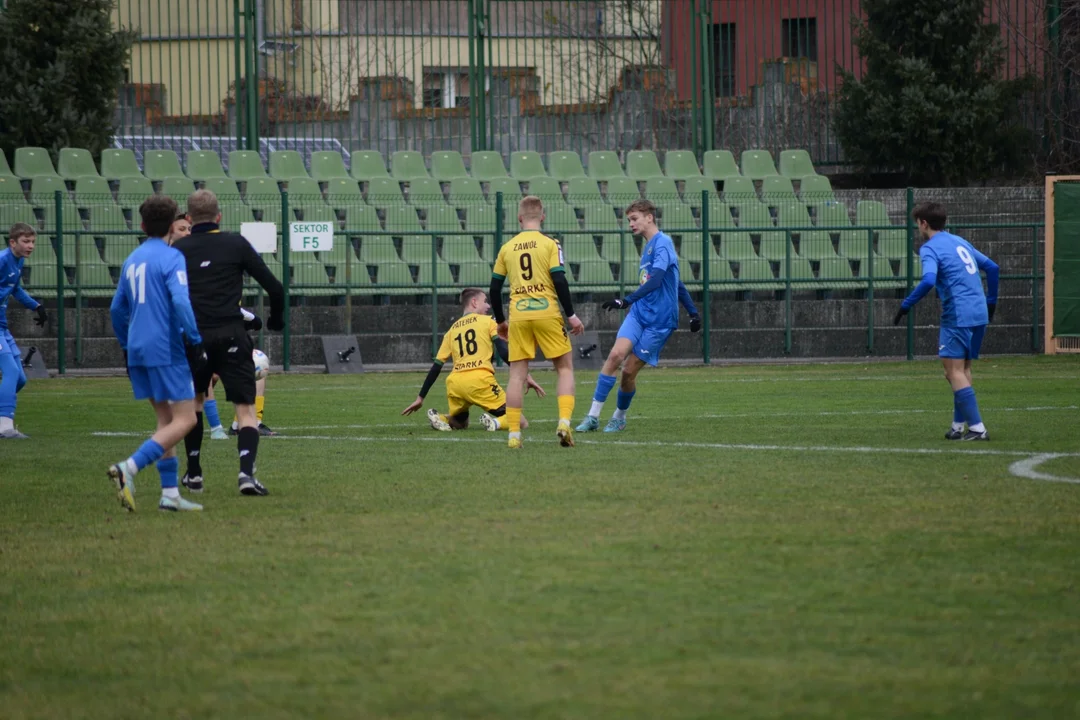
(446, 88)
(799, 38)
(724, 59)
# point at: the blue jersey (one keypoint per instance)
(151, 311)
(659, 308)
(10, 274)
(956, 264)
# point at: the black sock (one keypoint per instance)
(193, 447)
(247, 444)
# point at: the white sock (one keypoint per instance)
(515, 435)
(619, 414)
(958, 427)
(236, 426)
(216, 427)
(498, 422)
(596, 408)
(132, 468)
(171, 493)
(977, 427)
(7, 424)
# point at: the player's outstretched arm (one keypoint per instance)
(432, 376)
(258, 270)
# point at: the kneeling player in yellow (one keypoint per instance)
(470, 342)
(533, 263)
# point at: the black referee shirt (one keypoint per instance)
(216, 263)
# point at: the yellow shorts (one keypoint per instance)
(549, 334)
(465, 389)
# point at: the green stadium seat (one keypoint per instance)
(594, 277)
(737, 246)
(408, 165)
(614, 245)
(308, 271)
(584, 192)
(360, 220)
(178, 188)
(287, 164)
(304, 192)
(378, 249)
(526, 164)
(339, 256)
(319, 213)
(263, 192)
(246, 164)
(834, 214)
(95, 279)
(368, 165)
(754, 217)
(466, 192)
(758, 164)
(160, 164)
(813, 244)
(203, 165)
(234, 214)
(605, 165)
(693, 188)
(133, 191)
(110, 224)
(480, 221)
(835, 273)
(18, 213)
(487, 165)
(93, 192)
(601, 218)
(777, 191)
(579, 249)
(721, 277)
(890, 243)
(760, 272)
(426, 192)
(117, 164)
(559, 216)
(32, 162)
(814, 189)
(384, 192)
(510, 188)
(545, 188)
(565, 165)
(225, 189)
(461, 249)
(403, 220)
(5, 169)
(629, 272)
(720, 215)
(442, 219)
(327, 165)
(621, 191)
(342, 193)
(796, 164)
(11, 191)
(662, 191)
(474, 274)
(43, 190)
(72, 223)
(442, 275)
(686, 273)
(800, 269)
(447, 165)
(678, 222)
(719, 165)
(739, 190)
(681, 165)
(642, 165)
(75, 163)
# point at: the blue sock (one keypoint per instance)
(9, 384)
(957, 411)
(211, 413)
(965, 400)
(622, 400)
(147, 453)
(168, 468)
(604, 383)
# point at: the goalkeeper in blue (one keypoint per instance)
(653, 317)
(154, 322)
(21, 241)
(952, 265)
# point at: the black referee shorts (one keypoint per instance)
(229, 357)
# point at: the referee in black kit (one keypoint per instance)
(216, 262)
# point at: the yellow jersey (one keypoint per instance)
(527, 261)
(469, 343)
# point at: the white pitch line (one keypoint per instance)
(1026, 468)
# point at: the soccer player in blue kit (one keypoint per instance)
(154, 322)
(653, 316)
(952, 265)
(21, 241)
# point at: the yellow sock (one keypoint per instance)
(260, 401)
(443, 418)
(513, 418)
(566, 407)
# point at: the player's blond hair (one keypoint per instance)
(202, 207)
(531, 208)
(642, 206)
(19, 230)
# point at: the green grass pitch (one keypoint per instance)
(760, 542)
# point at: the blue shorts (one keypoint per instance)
(169, 383)
(961, 343)
(7, 345)
(647, 341)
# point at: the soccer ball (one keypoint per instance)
(262, 364)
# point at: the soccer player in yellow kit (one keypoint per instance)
(470, 343)
(533, 263)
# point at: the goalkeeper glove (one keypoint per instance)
(42, 316)
(990, 308)
(616, 304)
(900, 315)
(695, 323)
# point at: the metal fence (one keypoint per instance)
(779, 263)
(504, 75)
